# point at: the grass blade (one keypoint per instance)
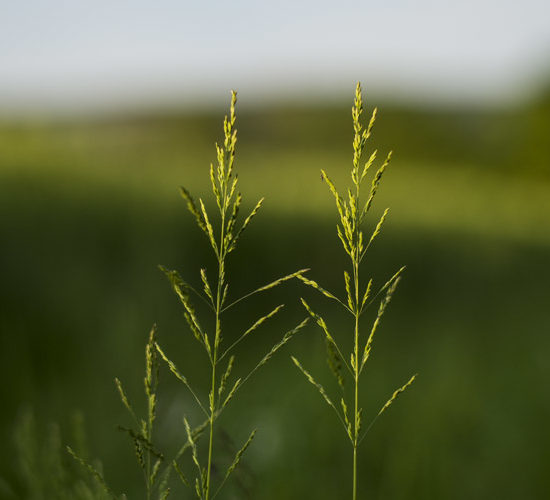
(273, 284)
(236, 461)
(181, 287)
(321, 322)
(320, 388)
(385, 287)
(396, 394)
(193, 446)
(180, 474)
(376, 232)
(180, 377)
(125, 401)
(326, 293)
(225, 376)
(252, 328)
(207, 288)
(192, 207)
(368, 164)
(209, 228)
(366, 295)
(286, 337)
(94, 472)
(381, 310)
(375, 184)
(252, 214)
(390, 401)
(232, 392)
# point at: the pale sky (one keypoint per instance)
(93, 54)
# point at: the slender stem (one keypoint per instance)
(147, 476)
(356, 407)
(354, 472)
(218, 311)
(150, 439)
(213, 388)
(356, 260)
(211, 438)
(214, 363)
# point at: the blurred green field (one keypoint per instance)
(89, 208)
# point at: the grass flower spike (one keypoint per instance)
(352, 210)
(223, 232)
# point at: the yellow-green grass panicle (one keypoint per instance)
(223, 227)
(352, 210)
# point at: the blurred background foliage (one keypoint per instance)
(89, 207)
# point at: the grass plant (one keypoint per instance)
(221, 388)
(150, 460)
(223, 240)
(352, 212)
(44, 471)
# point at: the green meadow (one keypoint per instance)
(89, 208)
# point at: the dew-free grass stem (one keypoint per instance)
(352, 215)
(356, 348)
(228, 201)
(221, 274)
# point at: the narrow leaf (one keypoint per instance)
(151, 363)
(345, 244)
(231, 193)
(297, 274)
(225, 376)
(368, 164)
(236, 460)
(337, 197)
(367, 294)
(181, 475)
(155, 471)
(376, 231)
(207, 288)
(198, 488)
(312, 381)
(383, 304)
(179, 376)
(371, 122)
(316, 285)
(396, 394)
(286, 337)
(233, 218)
(209, 229)
(125, 400)
(215, 188)
(320, 388)
(192, 207)
(386, 285)
(257, 324)
(346, 418)
(347, 279)
(192, 444)
(196, 433)
(375, 183)
(321, 322)
(231, 393)
(245, 225)
(181, 288)
(94, 472)
(277, 282)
